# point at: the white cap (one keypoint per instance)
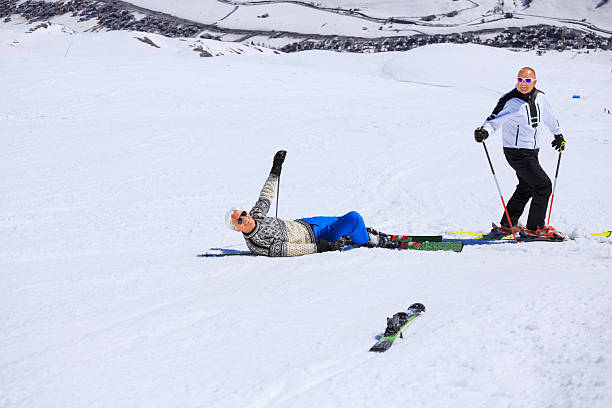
(228, 219)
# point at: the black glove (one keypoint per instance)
(277, 164)
(559, 142)
(480, 134)
(324, 245)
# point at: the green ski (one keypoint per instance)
(395, 326)
(456, 246)
(418, 238)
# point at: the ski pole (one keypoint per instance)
(554, 188)
(499, 190)
(277, 193)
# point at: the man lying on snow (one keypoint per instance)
(275, 237)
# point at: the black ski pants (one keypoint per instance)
(533, 184)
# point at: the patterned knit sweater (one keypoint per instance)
(276, 237)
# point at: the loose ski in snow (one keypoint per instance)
(396, 325)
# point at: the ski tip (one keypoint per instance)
(471, 234)
(224, 254)
(419, 307)
(381, 346)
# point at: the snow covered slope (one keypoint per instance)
(117, 170)
(370, 18)
(66, 37)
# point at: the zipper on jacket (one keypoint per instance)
(517, 132)
(534, 138)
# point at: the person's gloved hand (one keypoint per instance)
(324, 245)
(480, 134)
(559, 142)
(277, 164)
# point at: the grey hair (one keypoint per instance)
(228, 219)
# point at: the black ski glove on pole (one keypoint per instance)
(480, 134)
(559, 142)
(277, 164)
(324, 245)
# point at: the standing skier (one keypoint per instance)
(275, 237)
(519, 114)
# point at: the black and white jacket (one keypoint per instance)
(276, 237)
(519, 115)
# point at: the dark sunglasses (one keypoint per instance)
(242, 214)
(528, 80)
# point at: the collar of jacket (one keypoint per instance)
(529, 97)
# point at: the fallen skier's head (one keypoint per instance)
(237, 219)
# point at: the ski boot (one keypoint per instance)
(501, 231)
(542, 234)
(382, 240)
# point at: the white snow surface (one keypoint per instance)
(65, 37)
(332, 17)
(117, 168)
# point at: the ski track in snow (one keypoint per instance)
(118, 170)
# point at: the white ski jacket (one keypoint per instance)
(519, 115)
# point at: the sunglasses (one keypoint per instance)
(528, 80)
(242, 214)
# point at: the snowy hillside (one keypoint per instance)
(117, 169)
(65, 37)
(352, 27)
(371, 18)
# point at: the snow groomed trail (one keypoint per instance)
(117, 172)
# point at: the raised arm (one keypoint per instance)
(262, 206)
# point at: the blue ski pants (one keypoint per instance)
(334, 228)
